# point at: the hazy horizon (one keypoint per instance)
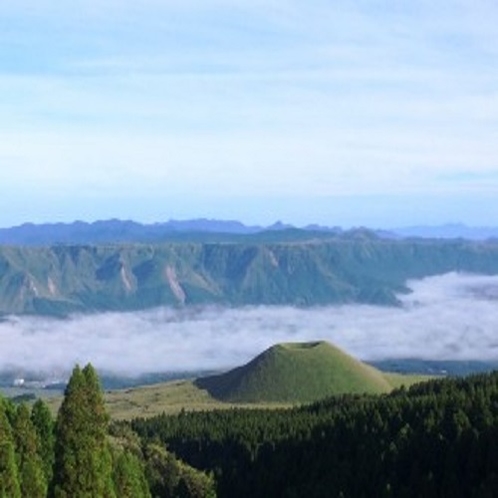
(449, 317)
(454, 223)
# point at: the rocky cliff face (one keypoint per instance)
(63, 279)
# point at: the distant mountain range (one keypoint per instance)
(205, 230)
(449, 231)
(119, 231)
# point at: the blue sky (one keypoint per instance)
(341, 113)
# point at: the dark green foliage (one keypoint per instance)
(83, 465)
(350, 268)
(170, 478)
(439, 439)
(9, 477)
(23, 398)
(165, 475)
(162, 471)
(30, 465)
(129, 477)
(194, 484)
(75, 460)
(297, 373)
(44, 427)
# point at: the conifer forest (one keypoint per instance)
(435, 439)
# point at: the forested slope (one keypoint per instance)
(359, 268)
(438, 439)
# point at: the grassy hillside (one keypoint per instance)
(357, 268)
(297, 373)
(174, 396)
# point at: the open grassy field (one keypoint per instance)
(168, 397)
(172, 397)
(398, 380)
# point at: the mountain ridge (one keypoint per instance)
(356, 267)
(120, 231)
(203, 229)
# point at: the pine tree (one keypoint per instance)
(103, 468)
(9, 478)
(29, 462)
(44, 426)
(83, 463)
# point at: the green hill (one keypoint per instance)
(295, 372)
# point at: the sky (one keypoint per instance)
(374, 113)
(448, 317)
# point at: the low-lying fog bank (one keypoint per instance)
(449, 317)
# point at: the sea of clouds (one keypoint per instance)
(449, 317)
